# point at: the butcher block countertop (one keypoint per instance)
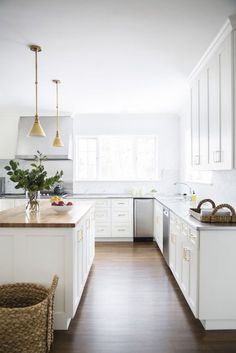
(46, 218)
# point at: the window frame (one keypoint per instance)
(98, 177)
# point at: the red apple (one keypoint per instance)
(61, 203)
(54, 203)
(69, 204)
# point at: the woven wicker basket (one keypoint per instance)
(26, 317)
(213, 217)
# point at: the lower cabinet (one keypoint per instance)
(114, 219)
(158, 224)
(183, 259)
(84, 254)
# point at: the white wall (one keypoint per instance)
(165, 126)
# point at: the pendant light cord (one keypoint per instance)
(57, 106)
(36, 83)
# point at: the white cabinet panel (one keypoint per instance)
(114, 218)
(121, 203)
(120, 216)
(183, 259)
(212, 111)
(102, 203)
(121, 231)
(102, 215)
(103, 230)
(158, 224)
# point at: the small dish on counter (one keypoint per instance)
(61, 206)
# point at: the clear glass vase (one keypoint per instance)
(32, 201)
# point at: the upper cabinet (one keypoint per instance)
(212, 105)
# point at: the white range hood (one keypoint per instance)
(27, 146)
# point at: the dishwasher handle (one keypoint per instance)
(166, 212)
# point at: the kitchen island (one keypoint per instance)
(35, 247)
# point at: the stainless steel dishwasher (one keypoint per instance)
(166, 230)
(143, 219)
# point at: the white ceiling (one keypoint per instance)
(111, 55)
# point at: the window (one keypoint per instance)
(116, 158)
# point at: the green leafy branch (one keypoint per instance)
(35, 179)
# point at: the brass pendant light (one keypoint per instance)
(36, 129)
(57, 140)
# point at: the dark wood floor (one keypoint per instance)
(132, 304)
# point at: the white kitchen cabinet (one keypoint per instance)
(220, 74)
(114, 219)
(195, 123)
(172, 242)
(158, 224)
(199, 122)
(212, 107)
(175, 243)
(183, 259)
(41, 252)
(79, 263)
(102, 218)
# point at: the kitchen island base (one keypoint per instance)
(35, 253)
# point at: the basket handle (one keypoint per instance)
(53, 287)
(51, 295)
(205, 201)
(224, 205)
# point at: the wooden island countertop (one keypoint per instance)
(45, 218)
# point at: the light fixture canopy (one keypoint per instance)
(36, 129)
(57, 140)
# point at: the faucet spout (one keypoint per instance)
(189, 188)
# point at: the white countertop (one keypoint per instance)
(179, 207)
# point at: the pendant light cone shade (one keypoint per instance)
(57, 140)
(36, 129)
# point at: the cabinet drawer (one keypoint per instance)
(103, 231)
(102, 215)
(122, 231)
(121, 203)
(121, 216)
(102, 203)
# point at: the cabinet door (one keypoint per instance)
(189, 268)
(92, 234)
(185, 271)
(172, 245)
(220, 108)
(193, 271)
(195, 123)
(158, 224)
(79, 264)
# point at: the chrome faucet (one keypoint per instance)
(190, 190)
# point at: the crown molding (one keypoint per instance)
(226, 29)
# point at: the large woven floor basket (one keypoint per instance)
(26, 317)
